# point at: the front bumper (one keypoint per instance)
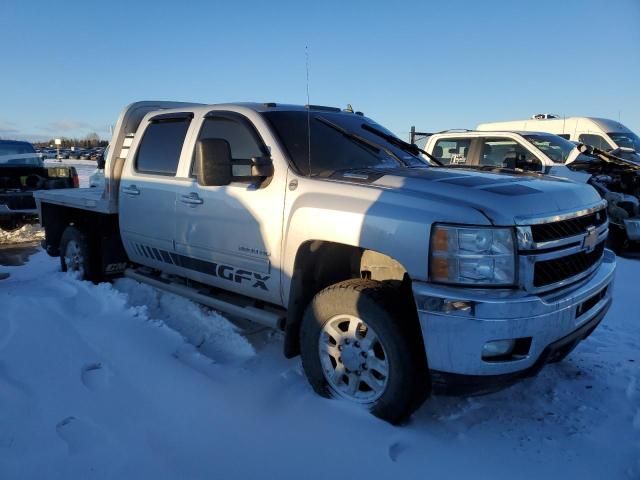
(456, 324)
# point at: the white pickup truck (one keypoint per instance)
(615, 177)
(390, 277)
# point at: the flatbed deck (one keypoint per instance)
(91, 199)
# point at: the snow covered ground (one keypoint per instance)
(96, 382)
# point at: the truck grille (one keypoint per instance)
(557, 251)
(548, 272)
(567, 228)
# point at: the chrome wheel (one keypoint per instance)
(74, 258)
(353, 359)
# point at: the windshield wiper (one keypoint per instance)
(406, 146)
(360, 140)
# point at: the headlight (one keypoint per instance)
(472, 256)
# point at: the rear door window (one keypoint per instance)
(453, 151)
(596, 141)
(160, 147)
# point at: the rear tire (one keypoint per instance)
(359, 342)
(75, 253)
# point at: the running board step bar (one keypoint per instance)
(257, 315)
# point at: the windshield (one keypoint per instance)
(553, 146)
(338, 142)
(18, 153)
(627, 140)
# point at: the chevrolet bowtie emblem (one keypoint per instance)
(590, 239)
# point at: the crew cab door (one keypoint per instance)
(506, 152)
(230, 236)
(147, 194)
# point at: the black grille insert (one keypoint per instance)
(548, 272)
(567, 228)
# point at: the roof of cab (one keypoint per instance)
(485, 133)
(256, 106)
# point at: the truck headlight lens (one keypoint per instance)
(472, 256)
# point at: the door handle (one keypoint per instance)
(131, 190)
(191, 199)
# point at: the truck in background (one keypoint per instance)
(600, 133)
(22, 172)
(391, 278)
(616, 179)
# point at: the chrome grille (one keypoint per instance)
(567, 228)
(557, 251)
(548, 272)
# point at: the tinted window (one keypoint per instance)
(15, 148)
(628, 140)
(242, 139)
(452, 151)
(159, 150)
(18, 153)
(595, 141)
(333, 143)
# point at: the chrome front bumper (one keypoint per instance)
(457, 323)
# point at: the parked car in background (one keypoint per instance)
(616, 179)
(75, 154)
(21, 173)
(601, 133)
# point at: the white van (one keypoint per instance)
(598, 132)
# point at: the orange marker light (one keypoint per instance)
(441, 240)
(439, 268)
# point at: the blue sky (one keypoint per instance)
(69, 67)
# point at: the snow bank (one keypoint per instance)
(25, 234)
(94, 384)
(212, 334)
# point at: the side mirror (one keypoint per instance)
(213, 162)
(101, 161)
(261, 167)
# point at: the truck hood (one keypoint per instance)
(500, 197)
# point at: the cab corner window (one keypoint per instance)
(452, 151)
(160, 147)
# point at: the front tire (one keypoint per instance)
(359, 342)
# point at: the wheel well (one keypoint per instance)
(319, 264)
(102, 230)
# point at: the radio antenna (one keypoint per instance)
(306, 51)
